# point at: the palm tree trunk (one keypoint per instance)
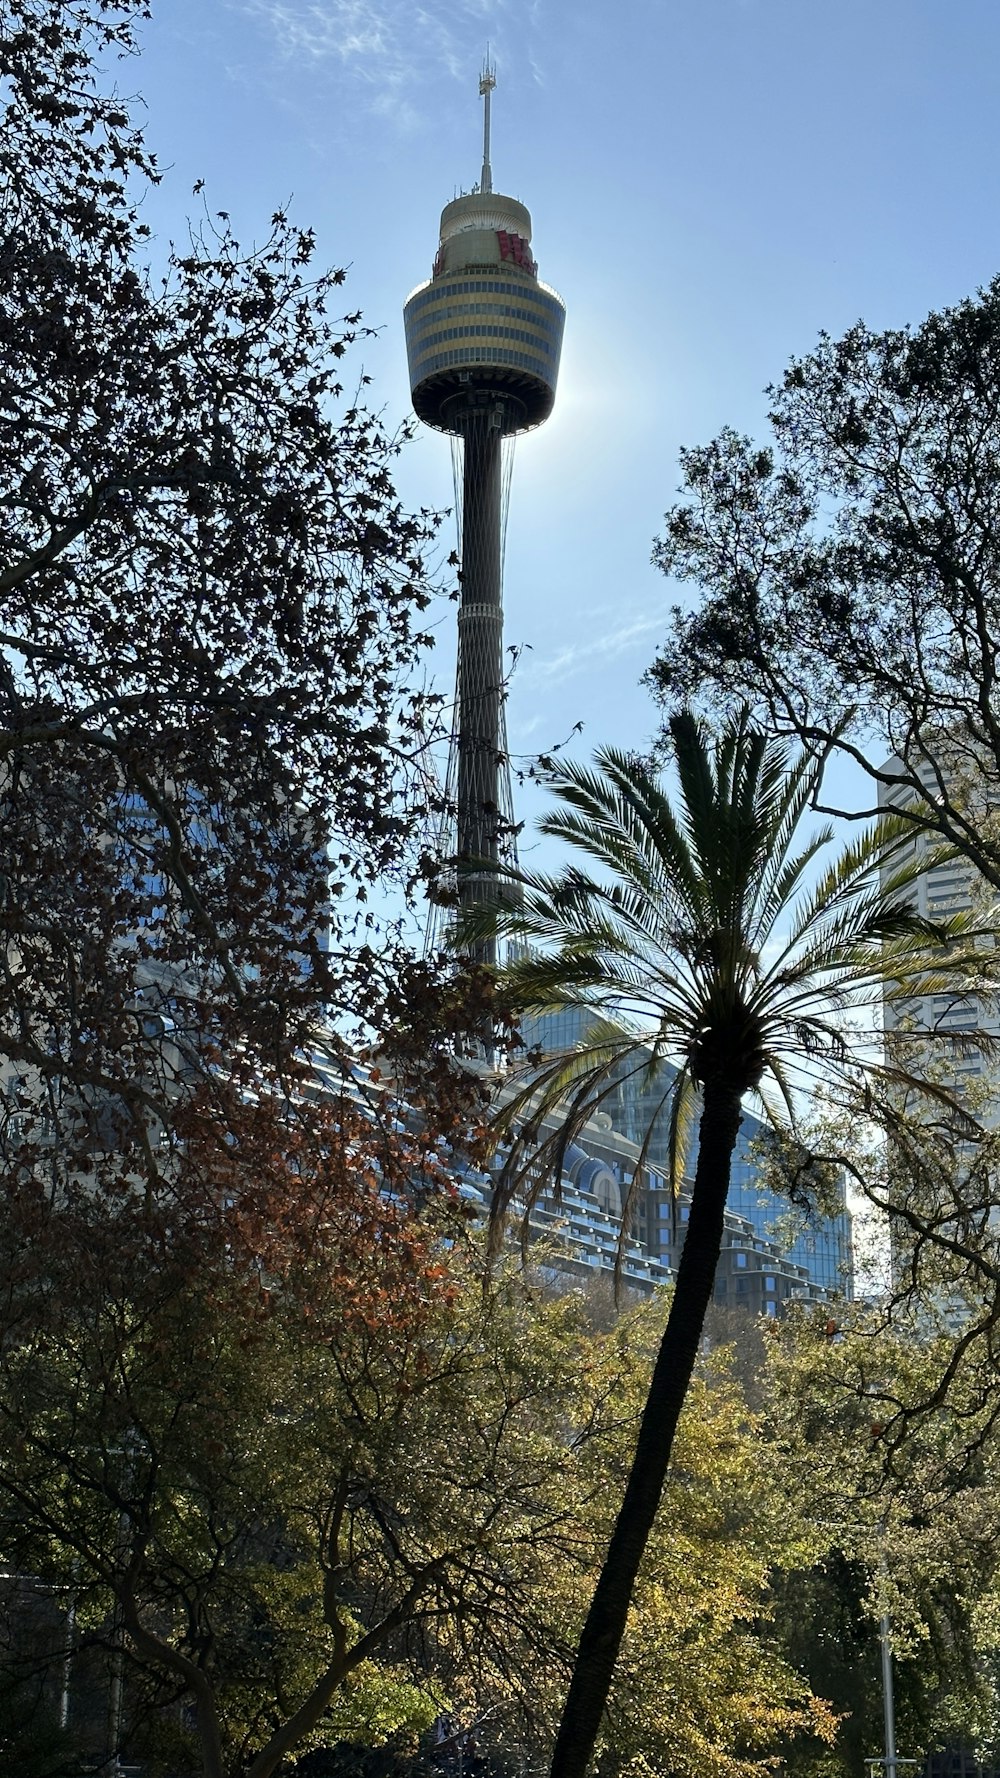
(605, 1623)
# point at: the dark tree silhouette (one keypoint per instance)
(210, 599)
(846, 571)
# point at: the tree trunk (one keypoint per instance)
(605, 1623)
(162, 1655)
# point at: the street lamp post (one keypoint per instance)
(890, 1761)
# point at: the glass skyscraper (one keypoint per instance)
(819, 1245)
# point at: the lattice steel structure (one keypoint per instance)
(483, 338)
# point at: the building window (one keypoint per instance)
(739, 1259)
(768, 1282)
(770, 1308)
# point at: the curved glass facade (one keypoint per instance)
(478, 320)
(820, 1245)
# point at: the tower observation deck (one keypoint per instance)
(483, 339)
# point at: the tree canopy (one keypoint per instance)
(294, 1467)
(209, 626)
(846, 570)
(843, 573)
(907, 1527)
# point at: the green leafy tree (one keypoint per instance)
(704, 1683)
(842, 572)
(698, 924)
(909, 1526)
(924, 1172)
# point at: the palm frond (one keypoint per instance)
(697, 914)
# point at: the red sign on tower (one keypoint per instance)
(515, 247)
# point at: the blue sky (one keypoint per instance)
(711, 183)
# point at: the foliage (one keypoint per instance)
(324, 1483)
(676, 945)
(256, 1426)
(843, 575)
(722, 1530)
(924, 1177)
(848, 570)
(911, 1527)
(210, 605)
(678, 917)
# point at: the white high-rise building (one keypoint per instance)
(954, 1021)
(939, 1170)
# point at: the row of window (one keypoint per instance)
(480, 332)
(482, 287)
(513, 311)
(769, 1282)
(485, 355)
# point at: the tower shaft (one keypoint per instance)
(480, 662)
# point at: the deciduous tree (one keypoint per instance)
(909, 1526)
(209, 621)
(250, 1422)
(291, 1462)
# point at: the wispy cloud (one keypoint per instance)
(319, 29)
(605, 643)
(388, 45)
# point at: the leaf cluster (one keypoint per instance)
(846, 572)
(211, 738)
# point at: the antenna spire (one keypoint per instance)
(487, 81)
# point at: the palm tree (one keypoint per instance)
(705, 929)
